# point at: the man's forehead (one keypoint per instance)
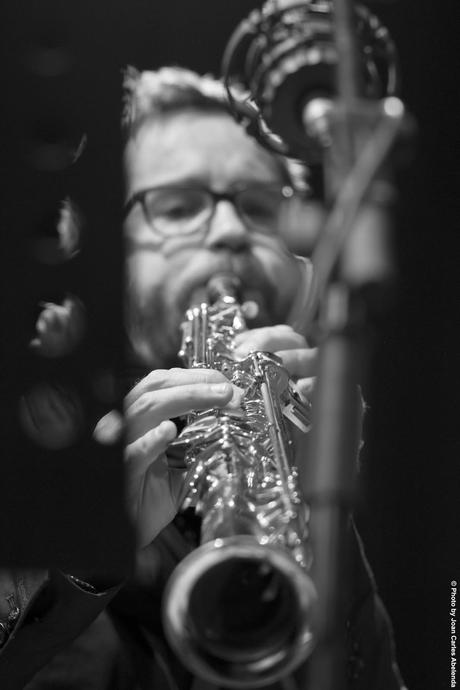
(191, 145)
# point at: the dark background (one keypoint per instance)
(407, 510)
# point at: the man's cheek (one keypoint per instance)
(180, 246)
(276, 263)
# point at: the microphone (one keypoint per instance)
(279, 69)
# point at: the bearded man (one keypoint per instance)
(202, 198)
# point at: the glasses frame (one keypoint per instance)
(287, 192)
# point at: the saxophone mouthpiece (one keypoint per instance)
(223, 285)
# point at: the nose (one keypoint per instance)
(227, 230)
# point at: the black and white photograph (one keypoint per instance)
(229, 295)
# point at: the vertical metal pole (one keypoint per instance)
(335, 435)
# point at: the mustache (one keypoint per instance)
(246, 267)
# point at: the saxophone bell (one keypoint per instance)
(239, 613)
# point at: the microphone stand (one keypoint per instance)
(338, 405)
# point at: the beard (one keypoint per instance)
(154, 322)
(154, 331)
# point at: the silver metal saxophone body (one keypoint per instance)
(237, 609)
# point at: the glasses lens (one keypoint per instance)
(261, 205)
(175, 211)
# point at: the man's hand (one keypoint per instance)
(153, 489)
(299, 359)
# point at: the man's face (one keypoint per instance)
(164, 273)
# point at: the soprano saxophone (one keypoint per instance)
(238, 609)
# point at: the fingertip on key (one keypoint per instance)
(168, 430)
(221, 389)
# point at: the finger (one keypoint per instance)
(306, 386)
(109, 428)
(148, 487)
(153, 407)
(300, 362)
(168, 378)
(140, 453)
(269, 339)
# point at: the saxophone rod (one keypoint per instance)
(275, 430)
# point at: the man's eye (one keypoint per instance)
(175, 212)
(176, 209)
(260, 207)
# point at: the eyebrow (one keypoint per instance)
(199, 180)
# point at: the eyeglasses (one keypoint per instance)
(184, 210)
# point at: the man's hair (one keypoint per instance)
(153, 95)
